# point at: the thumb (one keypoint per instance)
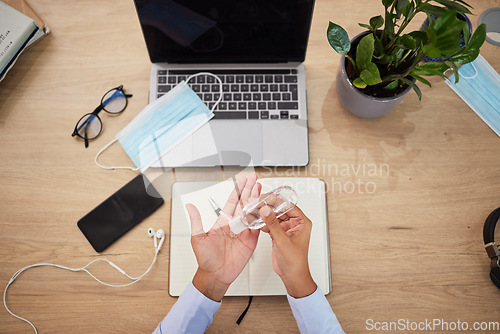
(272, 223)
(195, 217)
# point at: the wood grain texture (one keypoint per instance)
(405, 244)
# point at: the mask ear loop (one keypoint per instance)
(218, 80)
(462, 75)
(110, 167)
(472, 77)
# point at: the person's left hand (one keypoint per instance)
(222, 255)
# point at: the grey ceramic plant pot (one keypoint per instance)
(358, 103)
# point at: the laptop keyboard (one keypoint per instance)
(246, 94)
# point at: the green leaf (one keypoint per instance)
(454, 6)
(443, 35)
(465, 33)
(376, 22)
(401, 6)
(467, 56)
(455, 71)
(450, 41)
(379, 48)
(338, 38)
(448, 46)
(389, 25)
(419, 78)
(445, 21)
(385, 59)
(392, 86)
(420, 37)
(411, 9)
(387, 3)
(397, 54)
(358, 82)
(441, 67)
(366, 26)
(432, 10)
(408, 9)
(431, 51)
(364, 51)
(414, 86)
(371, 75)
(408, 42)
(471, 51)
(478, 37)
(464, 3)
(431, 68)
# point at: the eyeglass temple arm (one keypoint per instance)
(85, 138)
(120, 88)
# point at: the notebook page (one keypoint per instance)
(312, 201)
(262, 279)
(183, 263)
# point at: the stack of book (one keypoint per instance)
(20, 27)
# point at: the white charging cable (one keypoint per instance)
(156, 235)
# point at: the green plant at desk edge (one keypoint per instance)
(388, 59)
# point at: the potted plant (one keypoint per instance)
(379, 66)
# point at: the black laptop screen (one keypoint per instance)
(225, 31)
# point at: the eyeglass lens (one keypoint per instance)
(89, 126)
(114, 101)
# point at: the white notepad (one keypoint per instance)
(258, 278)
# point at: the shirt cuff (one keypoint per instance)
(314, 314)
(192, 313)
(194, 295)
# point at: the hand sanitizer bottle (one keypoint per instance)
(281, 200)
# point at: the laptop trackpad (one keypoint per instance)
(236, 142)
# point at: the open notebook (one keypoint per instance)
(258, 278)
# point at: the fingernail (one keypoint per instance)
(266, 211)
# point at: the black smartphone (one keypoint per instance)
(114, 217)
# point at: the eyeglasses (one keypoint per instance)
(90, 125)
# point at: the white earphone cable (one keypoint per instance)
(84, 268)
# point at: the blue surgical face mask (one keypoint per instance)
(161, 126)
(479, 87)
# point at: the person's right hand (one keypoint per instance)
(290, 237)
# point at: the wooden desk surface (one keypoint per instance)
(405, 244)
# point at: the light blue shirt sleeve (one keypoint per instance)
(192, 313)
(314, 314)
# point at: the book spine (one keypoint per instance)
(18, 52)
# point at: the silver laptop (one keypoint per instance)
(256, 48)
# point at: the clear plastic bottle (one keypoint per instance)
(281, 200)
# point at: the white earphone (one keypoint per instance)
(157, 235)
